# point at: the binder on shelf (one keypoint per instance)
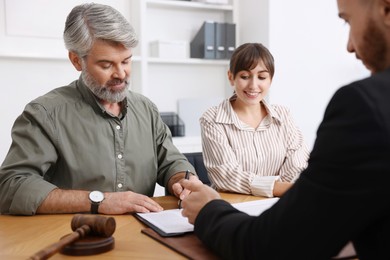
(220, 41)
(203, 44)
(214, 41)
(230, 39)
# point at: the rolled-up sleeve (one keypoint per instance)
(22, 184)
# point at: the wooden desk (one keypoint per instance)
(22, 236)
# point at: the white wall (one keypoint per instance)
(21, 81)
(308, 41)
(306, 37)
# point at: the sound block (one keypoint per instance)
(89, 245)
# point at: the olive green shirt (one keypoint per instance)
(66, 139)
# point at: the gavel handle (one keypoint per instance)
(54, 248)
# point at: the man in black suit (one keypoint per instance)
(343, 195)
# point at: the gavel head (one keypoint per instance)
(99, 225)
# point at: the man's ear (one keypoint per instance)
(76, 60)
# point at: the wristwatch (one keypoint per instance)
(96, 197)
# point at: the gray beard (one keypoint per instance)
(104, 92)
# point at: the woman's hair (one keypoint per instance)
(247, 56)
(89, 22)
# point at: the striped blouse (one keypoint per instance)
(245, 160)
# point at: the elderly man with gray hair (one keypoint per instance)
(94, 145)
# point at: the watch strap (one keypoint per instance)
(94, 207)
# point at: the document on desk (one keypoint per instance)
(167, 222)
(171, 222)
(255, 207)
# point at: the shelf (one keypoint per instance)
(151, 60)
(188, 61)
(37, 56)
(188, 5)
(176, 20)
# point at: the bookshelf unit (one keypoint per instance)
(173, 78)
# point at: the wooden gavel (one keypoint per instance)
(82, 225)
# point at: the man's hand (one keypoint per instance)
(128, 201)
(177, 189)
(200, 195)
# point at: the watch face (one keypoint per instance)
(96, 196)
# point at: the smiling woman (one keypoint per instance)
(250, 146)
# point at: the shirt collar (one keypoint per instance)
(226, 115)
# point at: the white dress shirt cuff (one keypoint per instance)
(263, 185)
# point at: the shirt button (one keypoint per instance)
(120, 156)
(118, 127)
(120, 185)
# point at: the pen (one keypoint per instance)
(187, 177)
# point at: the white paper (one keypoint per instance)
(169, 221)
(256, 207)
(172, 221)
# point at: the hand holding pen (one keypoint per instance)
(187, 177)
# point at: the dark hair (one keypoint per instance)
(247, 56)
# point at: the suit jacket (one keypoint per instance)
(342, 196)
